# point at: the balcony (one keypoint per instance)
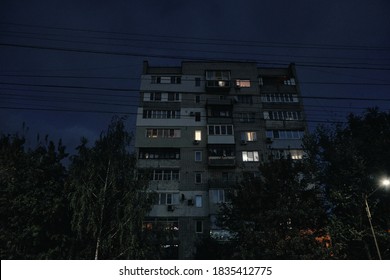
(221, 183)
(219, 111)
(220, 139)
(218, 85)
(221, 161)
(219, 102)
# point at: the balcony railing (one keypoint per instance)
(221, 161)
(218, 85)
(221, 183)
(219, 102)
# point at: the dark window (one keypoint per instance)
(197, 116)
(198, 178)
(199, 227)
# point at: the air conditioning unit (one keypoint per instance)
(243, 142)
(192, 114)
(196, 142)
(190, 202)
(171, 208)
(268, 140)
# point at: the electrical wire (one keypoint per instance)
(177, 57)
(211, 41)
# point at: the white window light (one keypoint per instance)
(198, 135)
(250, 156)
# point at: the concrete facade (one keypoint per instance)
(201, 127)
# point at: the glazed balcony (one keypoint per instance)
(221, 161)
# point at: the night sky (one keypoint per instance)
(67, 66)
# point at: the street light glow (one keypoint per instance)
(385, 182)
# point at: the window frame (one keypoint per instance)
(198, 178)
(198, 135)
(243, 83)
(198, 226)
(198, 201)
(250, 156)
(198, 156)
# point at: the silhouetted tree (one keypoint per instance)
(108, 200)
(33, 207)
(349, 161)
(277, 216)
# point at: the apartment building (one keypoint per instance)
(201, 128)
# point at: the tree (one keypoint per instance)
(277, 216)
(108, 200)
(349, 161)
(33, 208)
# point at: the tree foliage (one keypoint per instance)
(349, 162)
(277, 216)
(108, 201)
(33, 206)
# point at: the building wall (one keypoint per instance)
(236, 113)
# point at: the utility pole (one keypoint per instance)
(372, 228)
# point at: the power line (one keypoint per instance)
(175, 48)
(177, 57)
(215, 41)
(65, 110)
(137, 90)
(183, 79)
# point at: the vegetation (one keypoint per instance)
(277, 216)
(94, 208)
(107, 199)
(349, 163)
(315, 208)
(34, 213)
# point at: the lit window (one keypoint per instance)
(198, 135)
(249, 136)
(250, 156)
(243, 83)
(296, 154)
